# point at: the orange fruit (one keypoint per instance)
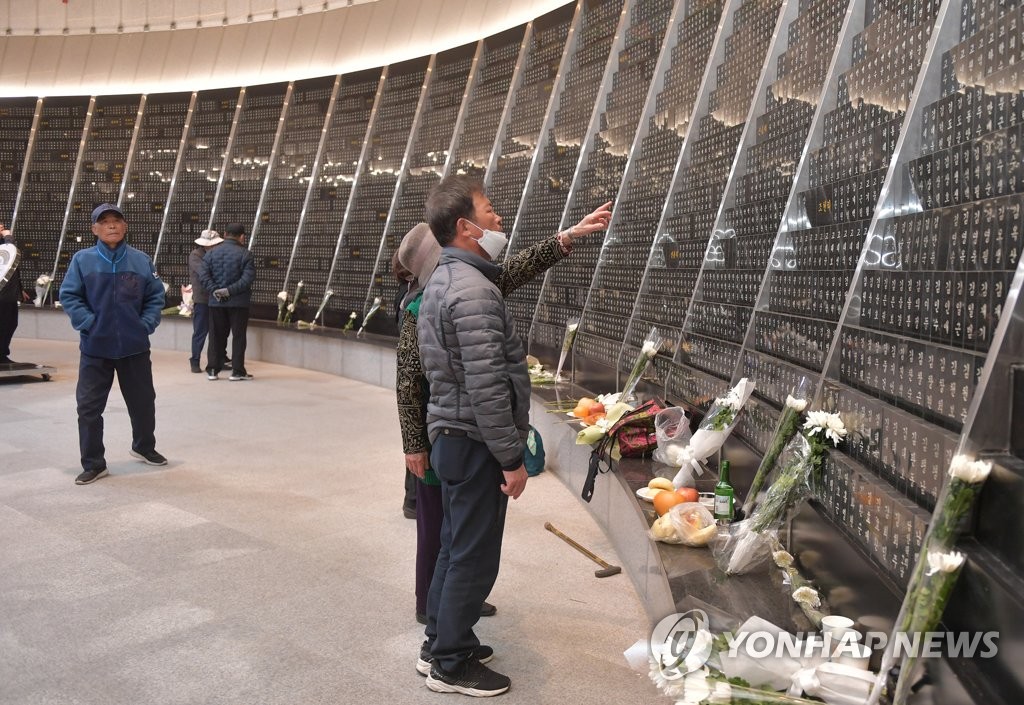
(663, 501)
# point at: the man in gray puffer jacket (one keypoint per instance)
(477, 420)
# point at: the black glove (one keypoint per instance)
(222, 294)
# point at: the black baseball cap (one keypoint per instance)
(235, 229)
(102, 208)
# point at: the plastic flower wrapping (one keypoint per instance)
(787, 427)
(374, 308)
(571, 326)
(746, 545)
(351, 323)
(323, 304)
(718, 423)
(650, 348)
(289, 310)
(42, 289)
(282, 305)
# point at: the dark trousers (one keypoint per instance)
(135, 378)
(474, 522)
(224, 320)
(200, 327)
(429, 515)
(8, 324)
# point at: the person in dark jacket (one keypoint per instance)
(477, 423)
(206, 241)
(11, 294)
(114, 297)
(228, 272)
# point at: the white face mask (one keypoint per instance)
(491, 241)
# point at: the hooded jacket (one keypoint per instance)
(114, 299)
(473, 357)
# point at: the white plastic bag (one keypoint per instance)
(672, 428)
(694, 524)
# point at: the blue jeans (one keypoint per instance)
(471, 533)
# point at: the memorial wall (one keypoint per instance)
(819, 195)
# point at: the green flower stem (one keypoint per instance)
(639, 367)
(788, 426)
(944, 534)
(935, 591)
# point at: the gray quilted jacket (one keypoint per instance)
(473, 357)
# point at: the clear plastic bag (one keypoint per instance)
(694, 524)
(673, 430)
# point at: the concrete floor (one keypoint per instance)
(269, 562)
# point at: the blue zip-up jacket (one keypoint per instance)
(114, 298)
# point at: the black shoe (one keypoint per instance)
(470, 678)
(239, 377)
(90, 476)
(211, 375)
(150, 458)
(196, 369)
(409, 511)
(482, 653)
(488, 610)
(7, 361)
(421, 618)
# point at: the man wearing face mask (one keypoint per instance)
(477, 423)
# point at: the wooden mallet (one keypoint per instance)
(606, 568)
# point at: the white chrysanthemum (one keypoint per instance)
(353, 315)
(376, 301)
(939, 562)
(650, 348)
(796, 405)
(43, 280)
(329, 292)
(291, 308)
(301, 284)
(572, 327)
(282, 295)
(835, 429)
(816, 421)
(807, 596)
(970, 471)
(783, 559)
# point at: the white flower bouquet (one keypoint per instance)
(789, 424)
(650, 348)
(42, 289)
(374, 307)
(282, 305)
(711, 435)
(571, 326)
(351, 323)
(323, 304)
(748, 543)
(937, 567)
(290, 308)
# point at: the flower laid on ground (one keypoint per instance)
(743, 548)
(713, 431)
(374, 307)
(787, 427)
(42, 288)
(351, 323)
(282, 305)
(306, 325)
(323, 304)
(571, 326)
(290, 308)
(652, 343)
(538, 375)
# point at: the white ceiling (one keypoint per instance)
(364, 35)
(31, 17)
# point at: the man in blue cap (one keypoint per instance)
(114, 298)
